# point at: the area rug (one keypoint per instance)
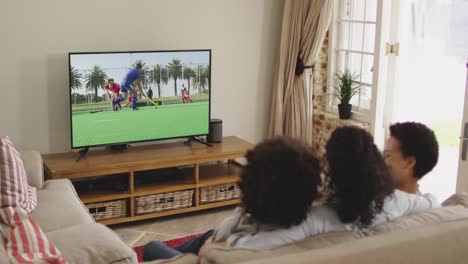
(171, 243)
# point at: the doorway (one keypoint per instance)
(427, 78)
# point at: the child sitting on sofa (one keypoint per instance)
(278, 185)
(362, 193)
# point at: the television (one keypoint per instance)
(118, 98)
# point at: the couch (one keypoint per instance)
(435, 236)
(66, 221)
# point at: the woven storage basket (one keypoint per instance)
(163, 202)
(107, 210)
(216, 193)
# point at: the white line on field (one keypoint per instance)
(109, 120)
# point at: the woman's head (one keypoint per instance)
(359, 180)
(279, 182)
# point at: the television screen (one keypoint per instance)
(122, 97)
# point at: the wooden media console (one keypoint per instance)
(201, 170)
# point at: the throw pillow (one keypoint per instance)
(25, 242)
(14, 188)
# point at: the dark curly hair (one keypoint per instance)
(359, 180)
(419, 141)
(279, 182)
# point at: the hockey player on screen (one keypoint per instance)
(114, 88)
(131, 84)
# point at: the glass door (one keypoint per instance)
(462, 180)
(426, 79)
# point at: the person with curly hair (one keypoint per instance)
(411, 152)
(361, 193)
(362, 190)
(278, 185)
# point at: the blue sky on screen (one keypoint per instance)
(116, 65)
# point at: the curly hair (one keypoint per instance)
(359, 180)
(419, 141)
(279, 182)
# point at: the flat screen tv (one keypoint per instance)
(123, 97)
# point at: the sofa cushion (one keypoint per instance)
(59, 206)
(455, 208)
(92, 243)
(453, 211)
(434, 243)
(217, 254)
(25, 242)
(434, 216)
(14, 188)
(457, 199)
(34, 167)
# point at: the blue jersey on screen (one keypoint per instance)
(128, 80)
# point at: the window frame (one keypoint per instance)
(333, 49)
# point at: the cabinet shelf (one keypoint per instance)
(184, 182)
(102, 196)
(202, 166)
(218, 174)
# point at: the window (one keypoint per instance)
(352, 46)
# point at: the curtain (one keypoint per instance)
(305, 25)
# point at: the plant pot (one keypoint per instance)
(344, 111)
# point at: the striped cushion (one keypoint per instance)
(14, 188)
(25, 242)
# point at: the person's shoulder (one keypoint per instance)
(401, 196)
(398, 196)
(431, 197)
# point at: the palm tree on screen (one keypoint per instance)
(189, 74)
(75, 78)
(201, 78)
(174, 69)
(158, 75)
(75, 81)
(95, 80)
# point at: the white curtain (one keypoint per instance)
(305, 24)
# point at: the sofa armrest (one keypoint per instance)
(92, 244)
(34, 168)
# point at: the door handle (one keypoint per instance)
(465, 142)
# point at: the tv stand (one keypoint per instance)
(148, 170)
(82, 153)
(199, 140)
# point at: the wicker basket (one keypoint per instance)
(163, 202)
(219, 193)
(107, 210)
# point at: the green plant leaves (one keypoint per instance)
(345, 86)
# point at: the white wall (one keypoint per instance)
(35, 37)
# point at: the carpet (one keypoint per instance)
(171, 243)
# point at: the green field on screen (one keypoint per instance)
(147, 123)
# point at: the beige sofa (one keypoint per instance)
(435, 236)
(67, 223)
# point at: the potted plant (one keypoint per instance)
(345, 88)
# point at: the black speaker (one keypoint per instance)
(216, 131)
